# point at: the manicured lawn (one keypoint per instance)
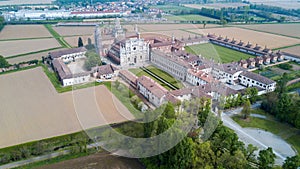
(189, 18)
(167, 77)
(285, 131)
(218, 53)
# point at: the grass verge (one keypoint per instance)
(270, 124)
(167, 77)
(57, 36)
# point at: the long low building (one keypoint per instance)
(68, 55)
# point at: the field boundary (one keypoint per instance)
(30, 53)
(279, 34)
(15, 39)
(57, 36)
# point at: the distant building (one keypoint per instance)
(104, 71)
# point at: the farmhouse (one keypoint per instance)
(227, 73)
(104, 71)
(250, 79)
(66, 76)
(68, 55)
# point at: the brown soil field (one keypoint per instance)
(254, 37)
(178, 34)
(24, 31)
(73, 41)
(216, 5)
(20, 2)
(167, 27)
(283, 29)
(10, 48)
(74, 30)
(292, 50)
(99, 160)
(31, 109)
(29, 57)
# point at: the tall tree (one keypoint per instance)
(3, 62)
(266, 158)
(246, 109)
(80, 43)
(292, 162)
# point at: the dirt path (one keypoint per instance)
(99, 160)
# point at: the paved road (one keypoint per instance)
(34, 159)
(257, 137)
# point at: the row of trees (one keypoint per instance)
(283, 105)
(3, 62)
(74, 142)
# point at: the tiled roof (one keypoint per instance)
(152, 86)
(57, 54)
(63, 70)
(257, 77)
(130, 76)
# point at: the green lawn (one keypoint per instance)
(189, 18)
(218, 53)
(167, 77)
(285, 131)
(123, 97)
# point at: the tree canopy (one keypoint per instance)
(92, 60)
(3, 62)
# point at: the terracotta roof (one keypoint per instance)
(230, 68)
(152, 86)
(257, 77)
(63, 70)
(57, 54)
(130, 76)
(105, 69)
(171, 98)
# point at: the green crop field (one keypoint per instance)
(171, 8)
(218, 53)
(189, 18)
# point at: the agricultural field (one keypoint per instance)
(171, 8)
(24, 32)
(74, 30)
(290, 4)
(178, 34)
(292, 50)
(217, 53)
(216, 5)
(291, 30)
(18, 2)
(12, 48)
(73, 41)
(167, 27)
(263, 39)
(48, 109)
(29, 57)
(189, 18)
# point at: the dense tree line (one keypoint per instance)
(283, 105)
(2, 22)
(3, 62)
(221, 149)
(274, 9)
